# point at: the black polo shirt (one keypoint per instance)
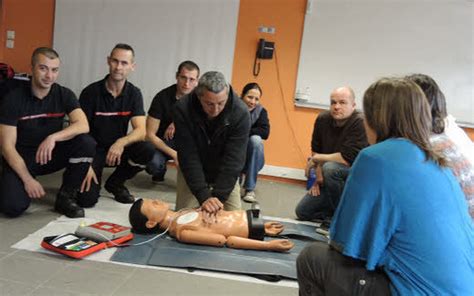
(348, 139)
(108, 116)
(161, 108)
(36, 118)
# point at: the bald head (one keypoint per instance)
(342, 103)
(343, 91)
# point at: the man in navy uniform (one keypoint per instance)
(160, 127)
(35, 142)
(110, 104)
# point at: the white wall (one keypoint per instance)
(163, 33)
(356, 42)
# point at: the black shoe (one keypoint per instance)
(158, 178)
(66, 203)
(120, 192)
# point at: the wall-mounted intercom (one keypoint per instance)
(264, 51)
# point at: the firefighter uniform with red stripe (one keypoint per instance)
(109, 119)
(35, 119)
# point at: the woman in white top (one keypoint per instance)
(448, 138)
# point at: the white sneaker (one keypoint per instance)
(250, 196)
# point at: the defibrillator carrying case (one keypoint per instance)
(78, 247)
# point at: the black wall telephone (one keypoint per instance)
(265, 49)
(265, 52)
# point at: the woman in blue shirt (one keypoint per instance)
(402, 226)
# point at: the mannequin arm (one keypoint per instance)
(201, 238)
(277, 245)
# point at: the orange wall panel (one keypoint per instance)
(32, 21)
(291, 127)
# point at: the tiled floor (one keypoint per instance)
(31, 273)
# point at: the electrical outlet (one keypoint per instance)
(262, 29)
(10, 34)
(10, 43)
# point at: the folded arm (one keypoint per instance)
(319, 158)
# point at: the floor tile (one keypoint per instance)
(86, 280)
(3, 255)
(103, 266)
(156, 282)
(18, 228)
(8, 288)
(45, 256)
(27, 270)
(44, 291)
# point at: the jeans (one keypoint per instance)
(322, 270)
(157, 166)
(254, 162)
(324, 205)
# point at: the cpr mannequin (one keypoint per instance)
(229, 228)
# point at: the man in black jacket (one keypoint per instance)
(212, 131)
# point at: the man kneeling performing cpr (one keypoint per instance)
(234, 229)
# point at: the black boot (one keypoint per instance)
(158, 178)
(120, 192)
(66, 203)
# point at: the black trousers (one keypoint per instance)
(321, 270)
(75, 155)
(134, 159)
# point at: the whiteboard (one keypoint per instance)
(356, 42)
(163, 33)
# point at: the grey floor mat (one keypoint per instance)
(272, 266)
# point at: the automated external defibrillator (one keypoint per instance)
(88, 239)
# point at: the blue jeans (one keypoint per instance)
(157, 166)
(324, 205)
(254, 162)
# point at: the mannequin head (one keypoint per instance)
(145, 215)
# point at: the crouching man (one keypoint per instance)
(35, 143)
